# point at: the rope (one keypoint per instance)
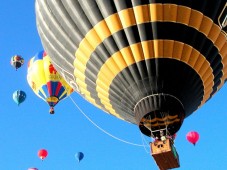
(144, 143)
(103, 129)
(100, 127)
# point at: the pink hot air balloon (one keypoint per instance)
(32, 168)
(192, 137)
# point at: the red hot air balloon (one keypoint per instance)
(42, 153)
(192, 137)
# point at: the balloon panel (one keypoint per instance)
(36, 75)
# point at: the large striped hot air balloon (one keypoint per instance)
(45, 81)
(148, 62)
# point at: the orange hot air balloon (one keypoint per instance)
(192, 137)
(42, 154)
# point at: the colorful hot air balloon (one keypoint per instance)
(151, 63)
(17, 61)
(192, 137)
(19, 96)
(42, 154)
(45, 81)
(79, 156)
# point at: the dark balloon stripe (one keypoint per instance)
(78, 15)
(175, 78)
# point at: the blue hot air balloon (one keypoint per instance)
(79, 156)
(19, 96)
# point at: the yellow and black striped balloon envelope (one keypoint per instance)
(148, 62)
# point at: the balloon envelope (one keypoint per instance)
(79, 156)
(192, 137)
(45, 81)
(33, 169)
(42, 153)
(151, 63)
(19, 96)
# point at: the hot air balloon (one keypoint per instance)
(33, 169)
(42, 154)
(45, 81)
(17, 61)
(79, 156)
(192, 137)
(19, 96)
(151, 63)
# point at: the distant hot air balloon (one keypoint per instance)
(19, 96)
(33, 169)
(45, 81)
(192, 137)
(42, 153)
(17, 61)
(79, 156)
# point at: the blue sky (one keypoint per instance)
(27, 128)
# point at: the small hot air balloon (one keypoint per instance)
(79, 156)
(17, 61)
(42, 154)
(33, 169)
(192, 137)
(19, 96)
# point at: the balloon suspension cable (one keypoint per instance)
(124, 141)
(145, 143)
(143, 140)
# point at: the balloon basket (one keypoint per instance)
(165, 154)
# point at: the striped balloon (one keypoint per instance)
(151, 63)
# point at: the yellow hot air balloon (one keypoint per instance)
(151, 63)
(45, 81)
